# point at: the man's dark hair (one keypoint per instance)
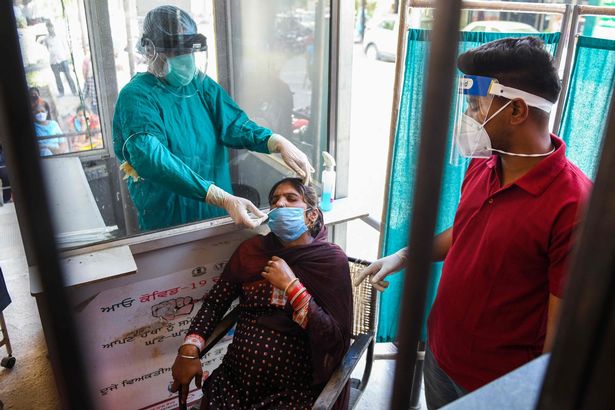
(521, 63)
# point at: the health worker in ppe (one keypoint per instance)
(173, 126)
(505, 256)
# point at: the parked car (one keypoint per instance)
(380, 40)
(498, 26)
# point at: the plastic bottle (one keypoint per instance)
(328, 182)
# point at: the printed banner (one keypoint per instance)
(132, 334)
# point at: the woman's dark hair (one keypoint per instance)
(521, 63)
(40, 101)
(35, 94)
(309, 196)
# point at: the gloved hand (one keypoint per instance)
(236, 207)
(293, 156)
(382, 268)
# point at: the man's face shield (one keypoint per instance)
(472, 107)
(475, 95)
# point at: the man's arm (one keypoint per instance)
(552, 321)
(383, 267)
(441, 244)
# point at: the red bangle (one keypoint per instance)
(298, 303)
(294, 298)
(295, 290)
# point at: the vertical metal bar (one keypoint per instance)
(20, 145)
(334, 36)
(320, 80)
(103, 64)
(564, 36)
(127, 4)
(341, 45)
(399, 78)
(574, 26)
(222, 27)
(588, 307)
(417, 378)
(434, 130)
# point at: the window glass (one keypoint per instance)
(111, 175)
(280, 55)
(388, 24)
(55, 50)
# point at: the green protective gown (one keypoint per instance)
(176, 140)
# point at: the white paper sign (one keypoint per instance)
(132, 334)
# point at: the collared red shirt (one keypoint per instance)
(509, 251)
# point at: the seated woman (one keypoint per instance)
(295, 319)
(44, 126)
(87, 127)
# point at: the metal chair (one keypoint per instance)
(365, 302)
(364, 305)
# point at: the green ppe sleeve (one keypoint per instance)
(235, 129)
(153, 161)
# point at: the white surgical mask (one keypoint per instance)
(40, 116)
(472, 139)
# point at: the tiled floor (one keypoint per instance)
(30, 384)
(379, 389)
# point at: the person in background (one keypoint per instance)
(173, 126)
(295, 319)
(58, 58)
(19, 16)
(506, 255)
(89, 87)
(34, 11)
(87, 126)
(44, 126)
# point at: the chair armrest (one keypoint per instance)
(340, 376)
(221, 330)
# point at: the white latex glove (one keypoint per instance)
(292, 156)
(382, 268)
(236, 207)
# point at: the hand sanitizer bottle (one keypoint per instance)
(328, 182)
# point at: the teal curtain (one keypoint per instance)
(588, 101)
(403, 170)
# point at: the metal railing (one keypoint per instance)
(572, 34)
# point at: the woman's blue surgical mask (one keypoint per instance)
(287, 224)
(181, 70)
(40, 116)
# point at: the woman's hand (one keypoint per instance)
(184, 370)
(278, 273)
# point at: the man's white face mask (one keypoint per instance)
(472, 138)
(476, 94)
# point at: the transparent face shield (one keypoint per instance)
(472, 111)
(179, 63)
(472, 107)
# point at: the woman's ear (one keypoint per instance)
(149, 49)
(312, 216)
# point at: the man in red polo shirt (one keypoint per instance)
(505, 258)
